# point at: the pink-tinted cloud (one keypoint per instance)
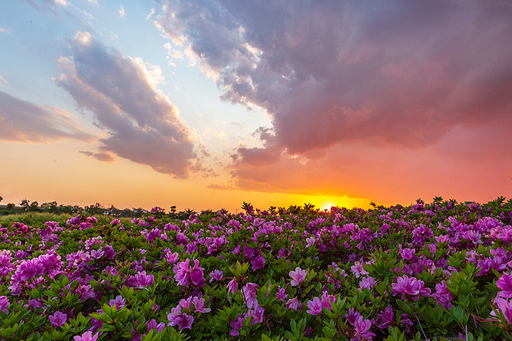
(143, 124)
(356, 79)
(22, 121)
(103, 156)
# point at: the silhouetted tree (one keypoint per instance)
(24, 203)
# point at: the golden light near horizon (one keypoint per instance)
(327, 205)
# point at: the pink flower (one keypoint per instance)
(256, 314)
(367, 283)
(258, 262)
(281, 294)
(407, 253)
(58, 319)
(249, 291)
(410, 287)
(325, 300)
(505, 284)
(157, 326)
(232, 286)
(118, 302)
(362, 329)
(4, 303)
(87, 336)
(443, 296)
(171, 257)
(216, 275)
(506, 308)
(384, 318)
(297, 276)
(315, 306)
(200, 305)
(177, 318)
(358, 269)
(85, 292)
(185, 322)
(352, 316)
(293, 304)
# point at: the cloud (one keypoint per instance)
(51, 5)
(103, 156)
(348, 81)
(121, 11)
(401, 72)
(2, 80)
(121, 92)
(22, 121)
(150, 14)
(3, 30)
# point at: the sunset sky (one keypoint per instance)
(206, 104)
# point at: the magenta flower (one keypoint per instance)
(443, 296)
(4, 303)
(297, 276)
(156, 326)
(85, 292)
(293, 304)
(177, 318)
(256, 314)
(172, 257)
(249, 291)
(384, 318)
(118, 302)
(407, 253)
(410, 287)
(325, 300)
(232, 286)
(506, 308)
(185, 274)
(58, 319)
(358, 269)
(367, 283)
(185, 322)
(258, 262)
(352, 316)
(87, 336)
(200, 305)
(281, 294)
(505, 284)
(315, 306)
(216, 275)
(362, 329)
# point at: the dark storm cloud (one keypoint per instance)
(22, 121)
(144, 126)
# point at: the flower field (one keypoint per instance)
(437, 271)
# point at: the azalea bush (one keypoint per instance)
(438, 271)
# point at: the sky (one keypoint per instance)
(206, 104)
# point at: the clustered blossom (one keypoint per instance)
(185, 274)
(443, 296)
(339, 266)
(410, 288)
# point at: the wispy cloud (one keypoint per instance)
(3, 30)
(121, 92)
(102, 156)
(150, 14)
(22, 121)
(398, 74)
(121, 11)
(3, 81)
